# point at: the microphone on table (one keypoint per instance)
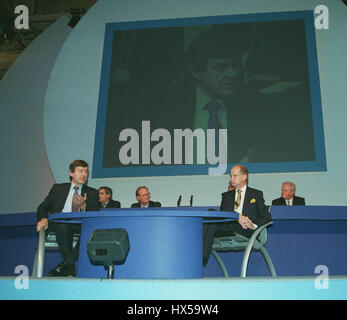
(191, 200)
(179, 201)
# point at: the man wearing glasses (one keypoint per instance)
(144, 199)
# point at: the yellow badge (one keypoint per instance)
(252, 201)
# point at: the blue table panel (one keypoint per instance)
(301, 239)
(164, 243)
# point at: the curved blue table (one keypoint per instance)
(164, 242)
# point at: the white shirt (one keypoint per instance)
(289, 202)
(103, 205)
(68, 202)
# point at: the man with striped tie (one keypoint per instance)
(67, 197)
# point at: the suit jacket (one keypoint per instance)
(56, 198)
(112, 204)
(253, 206)
(151, 204)
(297, 201)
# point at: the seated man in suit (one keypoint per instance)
(144, 199)
(67, 197)
(105, 198)
(247, 202)
(288, 197)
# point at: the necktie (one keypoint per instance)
(288, 202)
(74, 207)
(238, 200)
(213, 123)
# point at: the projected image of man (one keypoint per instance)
(214, 64)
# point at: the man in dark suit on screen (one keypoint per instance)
(144, 199)
(247, 202)
(67, 197)
(105, 198)
(288, 197)
(224, 85)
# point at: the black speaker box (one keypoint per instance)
(108, 246)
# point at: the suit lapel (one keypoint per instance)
(64, 193)
(83, 191)
(247, 199)
(294, 201)
(232, 199)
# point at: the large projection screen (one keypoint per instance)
(184, 96)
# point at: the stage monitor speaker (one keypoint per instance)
(108, 246)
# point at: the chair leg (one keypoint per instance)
(249, 249)
(34, 273)
(39, 260)
(244, 264)
(268, 262)
(220, 263)
(246, 258)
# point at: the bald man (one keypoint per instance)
(247, 202)
(288, 197)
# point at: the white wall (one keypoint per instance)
(72, 100)
(24, 169)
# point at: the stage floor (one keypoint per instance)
(250, 288)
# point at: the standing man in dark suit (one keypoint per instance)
(144, 199)
(247, 202)
(67, 197)
(105, 198)
(288, 197)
